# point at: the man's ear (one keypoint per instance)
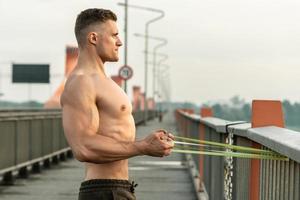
(92, 37)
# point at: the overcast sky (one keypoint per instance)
(216, 49)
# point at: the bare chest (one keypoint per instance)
(112, 100)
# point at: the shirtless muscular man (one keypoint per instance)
(97, 114)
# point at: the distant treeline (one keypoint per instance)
(242, 111)
(237, 109)
(234, 110)
(16, 105)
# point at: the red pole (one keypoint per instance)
(264, 113)
(204, 112)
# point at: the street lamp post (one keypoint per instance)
(163, 78)
(157, 69)
(162, 14)
(164, 75)
(161, 72)
(164, 90)
(163, 43)
(154, 66)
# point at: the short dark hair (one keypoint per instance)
(91, 16)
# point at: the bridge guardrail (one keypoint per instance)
(28, 137)
(276, 179)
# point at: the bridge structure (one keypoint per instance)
(36, 162)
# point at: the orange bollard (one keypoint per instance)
(204, 112)
(264, 113)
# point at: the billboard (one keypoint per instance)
(30, 73)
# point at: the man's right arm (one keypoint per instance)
(81, 122)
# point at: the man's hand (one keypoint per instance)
(158, 144)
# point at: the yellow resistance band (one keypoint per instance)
(181, 147)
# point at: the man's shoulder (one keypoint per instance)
(79, 83)
(76, 86)
(79, 80)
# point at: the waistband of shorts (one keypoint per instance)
(106, 184)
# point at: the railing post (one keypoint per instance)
(264, 113)
(204, 112)
(189, 123)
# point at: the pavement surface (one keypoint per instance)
(158, 178)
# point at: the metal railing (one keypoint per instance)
(277, 179)
(33, 137)
(28, 137)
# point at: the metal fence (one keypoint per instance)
(223, 178)
(29, 137)
(34, 137)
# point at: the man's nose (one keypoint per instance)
(119, 43)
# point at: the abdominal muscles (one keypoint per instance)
(121, 129)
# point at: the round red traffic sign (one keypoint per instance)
(125, 72)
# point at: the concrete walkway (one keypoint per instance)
(158, 178)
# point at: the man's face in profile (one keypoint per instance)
(108, 41)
